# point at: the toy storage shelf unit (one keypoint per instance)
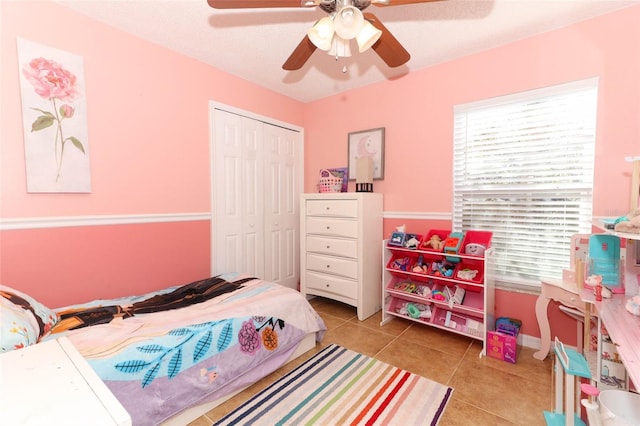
(449, 290)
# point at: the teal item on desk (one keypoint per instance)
(604, 259)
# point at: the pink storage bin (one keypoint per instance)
(395, 305)
(470, 270)
(402, 262)
(457, 321)
(475, 240)
(426, 241)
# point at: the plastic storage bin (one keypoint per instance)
(475, 243)
(434, 240)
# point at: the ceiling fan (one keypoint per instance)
(333, 33)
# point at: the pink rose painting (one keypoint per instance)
(54, 119)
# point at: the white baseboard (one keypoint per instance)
(530, 341)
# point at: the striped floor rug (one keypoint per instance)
(341, 387)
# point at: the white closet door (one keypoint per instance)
(282, 192)
(238, 203)
(257, 177)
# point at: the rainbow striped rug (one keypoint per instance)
(341, 387)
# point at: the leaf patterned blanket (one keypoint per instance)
(158, 364)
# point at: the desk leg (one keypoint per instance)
(586, 341)
(545, 330)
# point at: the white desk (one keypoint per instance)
(50, 383)
(623, 328)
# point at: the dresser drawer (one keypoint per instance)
(332, 227)
(331, 284)
(335, 208)
(335, 246)
(332, 265)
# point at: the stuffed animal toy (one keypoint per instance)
(599, 290)
(631, 225)
(435, 242)
(594, 280)
(633, 305)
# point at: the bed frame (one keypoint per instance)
(190, 414)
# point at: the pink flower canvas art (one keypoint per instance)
(54, 119)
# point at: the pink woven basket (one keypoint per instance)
(329, 182)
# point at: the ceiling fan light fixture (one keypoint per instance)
(340, 48)
(367, 36)
(348, 22)
(321, 34)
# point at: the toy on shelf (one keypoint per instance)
(438, 295)
(467, 274)
(420, 266)
(629, 223)
(401, 263)
(455, 296)
(600, 291)
(411, 241)
(423, 290)
(452, 245)
(633, 305)
(475, 249)
(604, 261)
(415, 310)
(397, 239)
(434, 242)
(442, 269)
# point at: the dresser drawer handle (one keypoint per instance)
(328, 227)
(328, 266)
(328, 246)
(328, 285)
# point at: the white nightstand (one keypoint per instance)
(50, 383)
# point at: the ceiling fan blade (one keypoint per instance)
(387, 46)
(251, 4)
(300, 55)
(383, 3)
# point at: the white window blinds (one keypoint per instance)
(523, 169)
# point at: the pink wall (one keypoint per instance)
(149, 148)
(148, 135)
(147, 117)
(62, 266)
(417, 113)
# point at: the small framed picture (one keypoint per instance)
(367, 143)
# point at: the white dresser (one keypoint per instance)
(51, 384)
(340, 243)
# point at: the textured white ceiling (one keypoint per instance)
(254, 43)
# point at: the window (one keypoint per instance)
(523, 169)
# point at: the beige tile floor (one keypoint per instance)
(486, 391)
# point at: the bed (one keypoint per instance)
(170, 356)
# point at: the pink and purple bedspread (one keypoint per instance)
(159, 364)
